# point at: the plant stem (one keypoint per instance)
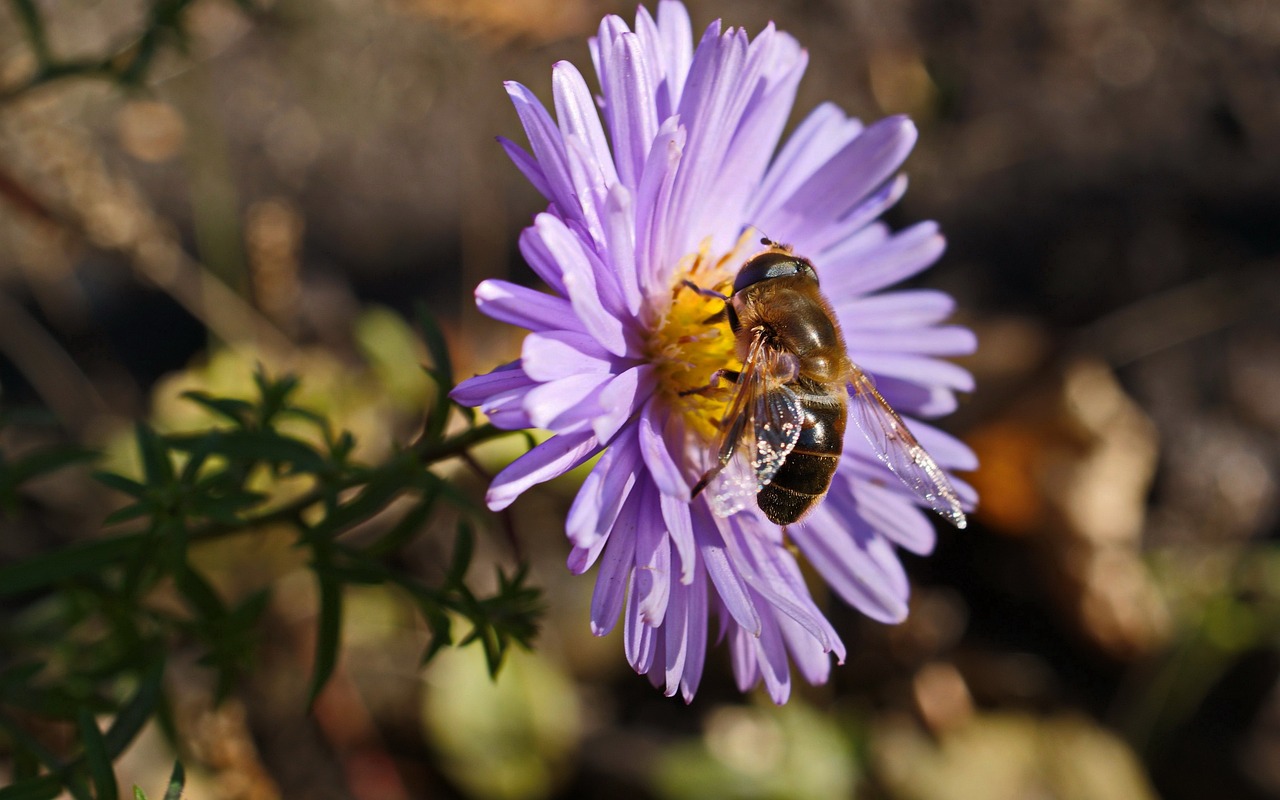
(92, 555)
(425, 455)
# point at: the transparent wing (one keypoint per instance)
(759, 429)
(900, 451)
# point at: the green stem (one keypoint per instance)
(425, 455)
(457, 445)
(91, 556)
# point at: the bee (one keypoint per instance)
(782, 433)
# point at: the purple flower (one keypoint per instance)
(679, 181)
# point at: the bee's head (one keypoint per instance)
(772, 264)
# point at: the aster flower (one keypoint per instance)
(677, 183)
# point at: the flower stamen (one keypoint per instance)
(691, 341)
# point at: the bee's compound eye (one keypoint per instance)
(771, 265)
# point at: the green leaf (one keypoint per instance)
(436, 346)
(328, 625)
(274, 393)
(72, 561)
(135, 714)
(19, 673)
(121, 484)
(223, 509)
(441, 627)
(199, 594)
(463, 547)
(196, 460)
(247, 614)
(169, 541)
(127, 513)
(138, 794)
(441, 372)
(45, 787)
(231, 409)
(409, 525)
(156, 466)
(61, 775)
(255, 445)
(377, 493)
(25, 765)
(341, 448)
(177, 781)
(95, 754)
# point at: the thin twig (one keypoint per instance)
(54, 375)
(454, 447)
(508, 520)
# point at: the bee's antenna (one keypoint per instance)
(767, 242)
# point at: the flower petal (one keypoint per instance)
(620, 242)
(811, 660)
(548, 148)
(527, 165)
(628, 84)
(696, 637)
(638, 639)
(523, 307)
(731, 590)
(920, 369)
(756, 135)
(675, 512)
(909, 308)
(551, 459)
(863, 165)
(541, 260)
(893, 514)
(559, 354)
(941, 340)
(656, 185)
(946, 449)
(817, 138)
(499, 395)
(861, 264)
(577, 117)
(652, 584)
(771, 573)
(599, 500)
(772, 662)
(675, 638)
(656, 443)
(566, 402)
(708, 113)
(847, 555)
(620, 398)
(475, 390)
(615, 572)
(916, 400)
(579, 280)
(671, 39)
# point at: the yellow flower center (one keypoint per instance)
(691, 339)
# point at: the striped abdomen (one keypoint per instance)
(803, 478)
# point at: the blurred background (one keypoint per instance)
(285, 182)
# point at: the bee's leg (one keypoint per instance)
(705, 292)
(704, 480)
(731, 375)
(720, 316)
(788, 367)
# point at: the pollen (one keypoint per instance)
(691, 341)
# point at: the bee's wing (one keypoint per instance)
(900, 451)
(759, 429)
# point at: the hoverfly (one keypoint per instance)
(782, 434)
